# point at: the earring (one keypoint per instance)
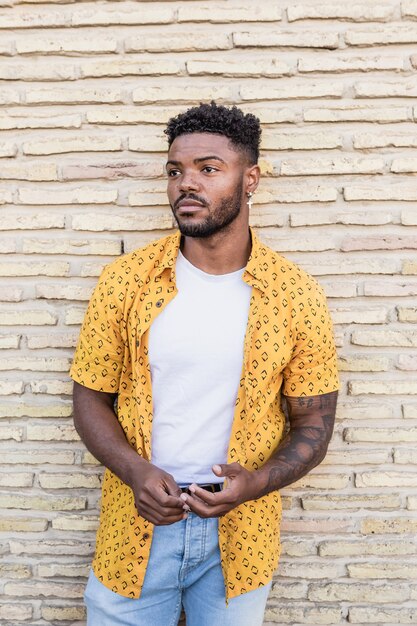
(249, 202)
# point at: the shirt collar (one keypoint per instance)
(255, 270)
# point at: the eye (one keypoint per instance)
(172, 173)
(209, 169)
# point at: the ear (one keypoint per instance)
(252, 174)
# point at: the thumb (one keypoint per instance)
(222, 470)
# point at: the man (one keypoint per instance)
(185, 350)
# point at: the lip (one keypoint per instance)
(189, 204)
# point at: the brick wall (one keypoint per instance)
(86, 88)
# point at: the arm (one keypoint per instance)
(156, 493)
(305, 446)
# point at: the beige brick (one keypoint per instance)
(8, 388)
(389, 435)
(67, 292)
(368, 548)
(410, 411)
(113, 170)
(239, 67)
(291, 547)
(405, 456)
(19, 479)
(357, 113)
(407, 314)
(396, 191)
(140, 239)
(350, 315)
(407, 362)
(288, 193)
(352, 266)
(384, 140)
(183, 92)
(405, 165)
(108, 247)
(38, 221)
(10, 294)
(89, 459)
(286, 38)
(322, 481)
(63, 613)
(56, 268)
(310, 570)
(16, 611)
(317, 526)
(406, 338)
(133, 115)
(383, 35)
(292, 89)
(388, 479)
(33, 410)
(76, 522)
(398, 387)
(6, 197)
(44, 589)
(336, 165)
(9, 96)
(408, 218)
(376, 615)
(290, 614)
(326, 216)
(149, 140)
(350, 503)
(41, 364)
(7, 149)
(58, 145)
(386, 288)
(178, 42)
(31, 19)
(80, 195)
(64, 44)
(9, 432)
(390, 569)
(69, 481)
(65, 95)
(125, 13)
(7, 246)
(386, 88)
(42, 503)
(349, 63)
(36, 70)
(409, 8)
(412, 503)
(409, 268)
(6, 46)
(55, 547)
(352, 458)
(358, 592)
(27, 318)
(233, 11)
(36, 457)
(52, 340)
(9, 341)
(353, 12)
(378, 242)
(91, 269)
(342, 289)
(26, 117)
(14, 570)
(288, 591)
(56, 432)
(363, 363)
(52, 387)
(287, 244)
(152, 66)
(23, 524)
(145, 220)
(74, 315)
(400, 525)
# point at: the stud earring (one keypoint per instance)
(249, 202)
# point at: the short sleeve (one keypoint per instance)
(99, 354)
(312, 369)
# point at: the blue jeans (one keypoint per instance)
(184, 568)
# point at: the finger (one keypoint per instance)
(226, 469)
(170, 507)
(162, 498)
(158, 515)
(213, 499)
(202, 509)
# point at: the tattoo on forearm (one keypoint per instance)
(306, 443)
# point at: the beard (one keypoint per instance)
(218, 219)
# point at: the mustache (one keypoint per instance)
(189, 196)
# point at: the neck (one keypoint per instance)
(223, 253)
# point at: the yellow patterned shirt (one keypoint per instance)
(288, 348)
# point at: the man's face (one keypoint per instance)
(205, 183)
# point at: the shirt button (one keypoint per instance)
(146, 535)
(158, 303)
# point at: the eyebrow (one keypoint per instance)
(210, 157)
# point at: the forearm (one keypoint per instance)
(99, 428)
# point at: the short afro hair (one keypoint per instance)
(244, 131)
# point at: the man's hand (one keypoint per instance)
(157, 495)
(241, 485)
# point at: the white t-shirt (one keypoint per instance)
(196, 358)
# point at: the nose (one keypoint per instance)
(188, 182)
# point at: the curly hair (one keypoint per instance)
(244, 131)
